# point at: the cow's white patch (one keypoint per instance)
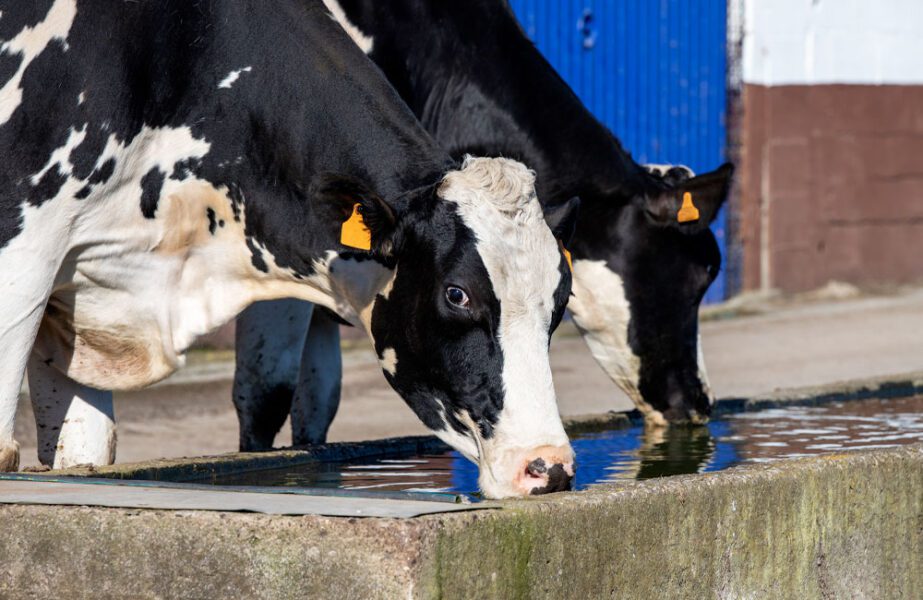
(364, 42)
(81, 98)
(228, 81)
(661, 169)
(496, 200)
(388, 360)
(601, 313)
(30, 42)
(703, 373)
(465, 444)
(351, 286)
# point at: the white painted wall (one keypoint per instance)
(803, 42)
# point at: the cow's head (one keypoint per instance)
(476, 283)
(643, 268)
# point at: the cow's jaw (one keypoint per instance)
(602, 314)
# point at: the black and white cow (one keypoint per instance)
(478, 85)
(163, 164)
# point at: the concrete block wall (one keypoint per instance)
(831, 142)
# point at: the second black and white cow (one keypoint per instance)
(165, 163)
(641, 267)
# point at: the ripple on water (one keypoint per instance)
(633, 453)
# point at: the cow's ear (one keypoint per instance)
(693, 203)
(363, 220)
(562, 219)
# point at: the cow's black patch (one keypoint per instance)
(9, 64)
(185, 168)
(256, 257)
(237, 200)
(151, 184)
(103, 173)
(84, 157)
(212, 222)
(47, 187)
(22, 15)
(558, 481)
(83, 192)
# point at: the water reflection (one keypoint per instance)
(675, 451)
(635, 453)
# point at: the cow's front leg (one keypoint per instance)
(318, 394)
(75, 423)
(25, 289)
(270, 337)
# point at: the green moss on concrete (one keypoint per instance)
(837, 526)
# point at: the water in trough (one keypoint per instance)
(633, 453)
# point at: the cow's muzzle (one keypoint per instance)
(545, 470)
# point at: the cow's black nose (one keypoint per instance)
(558, 478)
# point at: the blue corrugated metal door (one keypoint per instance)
(652, 70)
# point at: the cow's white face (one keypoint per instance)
(462, 326)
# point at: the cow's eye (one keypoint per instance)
(456, 296)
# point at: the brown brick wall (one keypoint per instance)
(832, 176)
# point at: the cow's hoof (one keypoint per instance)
(9, 456)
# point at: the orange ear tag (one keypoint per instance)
(354, 233)
(688, 211)
(566, 252)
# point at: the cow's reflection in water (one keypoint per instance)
(618, 455)
(669, 451)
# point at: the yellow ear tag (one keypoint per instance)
(354, 233)
(566, 252)
(688, 211)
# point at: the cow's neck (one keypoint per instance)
(516, 107)
(353, 124)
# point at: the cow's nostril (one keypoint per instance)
(537, 468)
(559, 480)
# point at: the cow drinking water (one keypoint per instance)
(204, 155)
(640, 267)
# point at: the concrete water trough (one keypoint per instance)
(843, 524)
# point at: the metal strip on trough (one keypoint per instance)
(18, 489)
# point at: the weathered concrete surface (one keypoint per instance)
(67, 552)
(835, 526)
(839, 526)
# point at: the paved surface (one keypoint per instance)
(785, 345)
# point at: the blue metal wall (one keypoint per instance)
(652, 70)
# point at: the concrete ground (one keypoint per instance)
(751, 347)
